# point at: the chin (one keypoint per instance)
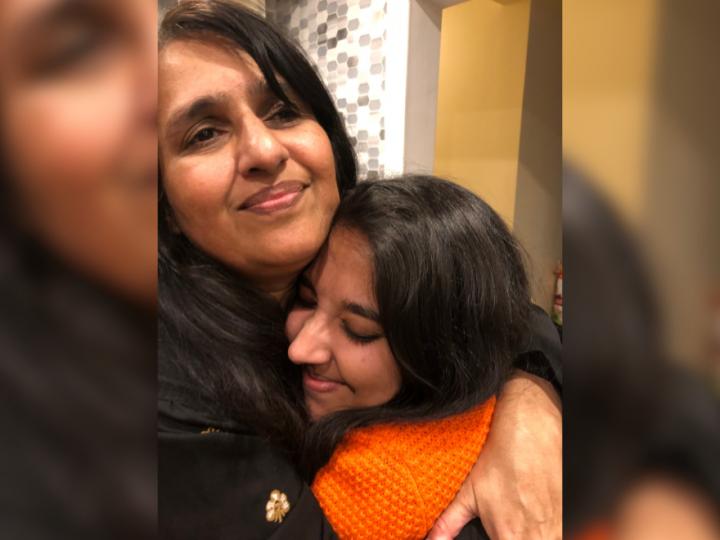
(294, 255)
(315, 411)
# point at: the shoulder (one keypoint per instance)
(541, 353)
(215, 484)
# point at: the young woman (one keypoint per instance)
(408, 321)
(254, 160)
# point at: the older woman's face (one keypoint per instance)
(250, 180)
(78, 105)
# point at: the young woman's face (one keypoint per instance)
(250, 180)
(78, 102)
(335, 334)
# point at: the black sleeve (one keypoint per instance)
(541, 353)
(215, 485)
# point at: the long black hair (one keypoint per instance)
(452, 295)
(217, 330)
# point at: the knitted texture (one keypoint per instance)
(391, 482)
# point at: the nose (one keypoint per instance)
(259, 152)
(312, 343)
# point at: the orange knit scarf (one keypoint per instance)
(391, 482)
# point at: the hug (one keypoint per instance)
(337, 358)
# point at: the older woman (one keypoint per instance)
(254, 161)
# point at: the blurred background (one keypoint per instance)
(641, 219)
(604, 109)
(78, 252)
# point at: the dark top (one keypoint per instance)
(541, 355)
(215, 478)
(215, 483)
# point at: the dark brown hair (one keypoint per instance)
(452, 295)
(224, 335)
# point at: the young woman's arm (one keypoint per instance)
(516, 485)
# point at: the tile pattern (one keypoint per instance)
(345, 39)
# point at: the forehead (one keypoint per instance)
(346, 262)
(191, 68)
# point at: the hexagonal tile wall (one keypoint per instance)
(345, 39)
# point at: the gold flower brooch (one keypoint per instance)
(277, 506)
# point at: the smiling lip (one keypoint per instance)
(316, 383)
(274, 198)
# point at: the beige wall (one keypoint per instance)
(499, 120)
(538, 194)
(608, 69)
(480, 96)
(639, 95)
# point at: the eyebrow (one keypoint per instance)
(196, 110)
(362, 311)
(207, 104)
(54, 16)
(262, 88)
(62, 11)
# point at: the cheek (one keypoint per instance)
(311, 148)
(74, 134)
(197, 190)
(388, 376)
(377, 378)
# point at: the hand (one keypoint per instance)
(515, 487)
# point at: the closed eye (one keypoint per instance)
(356, 337)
